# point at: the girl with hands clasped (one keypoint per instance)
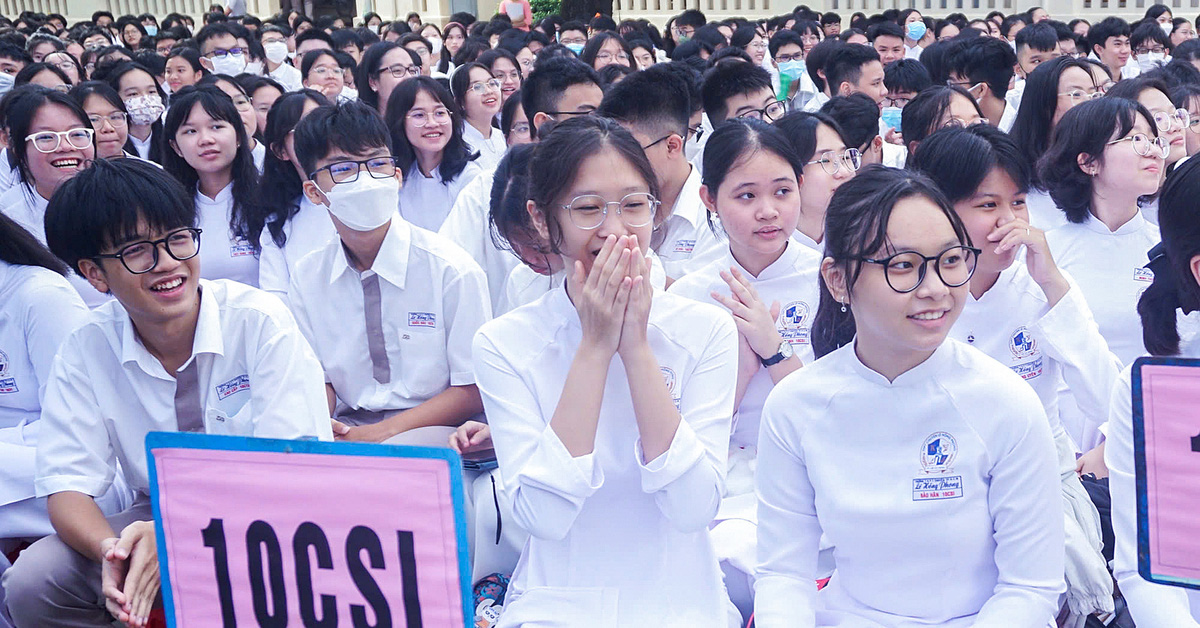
(609, 404)
(768, 282)
(1028, 315)
(928, 466)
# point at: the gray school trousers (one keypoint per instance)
(53, 585)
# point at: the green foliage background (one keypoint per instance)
(542, 8)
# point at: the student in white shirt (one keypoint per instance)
(171, 353)
(1174, 288)
(1155, 96)
(927, 465)
(263, 93)
(768, 282)
(290, 226)
(427, 138)
(937, 107)
(828, 164)
(144, 100)
(422, 299)
(321, 71)
(504, 66)
(736, 90)
(478, 96)
(38, 308)
(610, 406)
(209, 153)
(245, 108)
(107, 115)
(56, 142)
(384, 65)
(653, 105)
(1031, 317)
(275, 51)
(1051, 90)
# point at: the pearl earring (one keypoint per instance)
(843, 308)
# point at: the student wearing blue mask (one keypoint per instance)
(787, 55)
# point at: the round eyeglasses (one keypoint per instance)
(904, 271)
(832, 162)
(50, 141)
(770, 113)
(1146, 147)
(1166, 121)
(635, 210)
(141, 257)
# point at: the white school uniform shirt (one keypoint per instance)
(426, 201)
(143, 147)
(253, 375)
(792, 281)
(259, 153)
(287, 76)
(939, 491)
(685, 242)
(1048, 347)
(1109, 268)
(1012, 106)
(1149, 604)
(38, 308)
(468, 226)
(8, 172)
(816, 102)
(913, 52)
(526, 286)
(490, 149)
(309, 230)
(432, 300)
(613, 541)
(1044, 213)
(222, 254)
(803, 239)
(27, 208)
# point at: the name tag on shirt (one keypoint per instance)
(1143, 274)
(240, 248)
(233, 386)
(8, 384)
(684, 246)
(422, 319)
(936, 488)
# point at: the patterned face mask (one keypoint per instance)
(144, 109)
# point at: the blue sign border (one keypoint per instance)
(182, 440)
(1139, 457)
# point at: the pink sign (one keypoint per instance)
(250, 535)
(1169, 528)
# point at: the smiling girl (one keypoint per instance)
(478, 95)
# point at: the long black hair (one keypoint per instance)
(958, 160)
(281, 184)
(113, 78)
(455, 155)
(20, 107)
(217, 104)
(21, 248)
(1174, 287)
(507, 215)
(856, 225)
(1035, 119)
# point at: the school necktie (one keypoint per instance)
(189, 414)
(373, 308)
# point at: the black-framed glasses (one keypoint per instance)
(904, 271)
(831, 161)
(585, 112)
(347, 171)
(142, 257)
(697, 131)
(50, 141)
(784, 58)
(635, 210)
(658, 141)
(899, 101)
(401, 71)
(770, 113)
(221, 53)
(1145, 146)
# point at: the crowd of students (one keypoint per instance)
(775, 322)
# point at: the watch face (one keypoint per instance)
(785, 350)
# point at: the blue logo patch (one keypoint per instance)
(1022, 343)
(938, 453)
(794, 323)
(931, 489)
(8, 385)
(422, 319)
(233, 386)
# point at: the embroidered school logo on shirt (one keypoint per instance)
(669, 378)
(422, 319)
(938, 453)
(684, 246)
(235, 385)
(8, 385)
(240, 248)
(1022, 344)
(793, 319)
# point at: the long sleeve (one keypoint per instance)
(789, 533)
(1025, 502)
(546, 485)
(1073, 339)
(688, 479)
(1150, 604)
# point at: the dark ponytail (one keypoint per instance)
(856, 225)
(1174, 288)
(20, 248)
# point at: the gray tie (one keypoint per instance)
(373, 308)
(189, 415)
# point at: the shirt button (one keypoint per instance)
(971, 338)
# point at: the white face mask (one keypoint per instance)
(365, 204)
(374, 28)
(691, 147)
(1166, 27)
(255, 68)
(231, 65)
(436, 42)
(276, 51)
(1150, 60)
(6, 82)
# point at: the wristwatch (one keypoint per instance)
(785, 352)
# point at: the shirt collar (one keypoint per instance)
(922, 372)
(392, 261)
(687, 204)
(802, 238)
(1133, 225)
(223, 196)
(208, 337)
(779, 268)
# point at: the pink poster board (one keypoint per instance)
(301, 532)
(1166, 426)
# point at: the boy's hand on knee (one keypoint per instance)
(132, 560)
